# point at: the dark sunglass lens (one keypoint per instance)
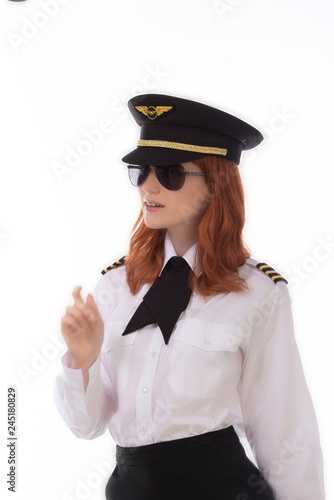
(143, 174)
(171, 177)
(138, 175)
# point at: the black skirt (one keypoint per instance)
(210, 466)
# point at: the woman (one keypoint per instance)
(187, 340)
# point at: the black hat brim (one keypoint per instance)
(160, 156)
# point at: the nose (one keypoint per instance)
(151, 183)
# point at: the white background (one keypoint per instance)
(69, 65)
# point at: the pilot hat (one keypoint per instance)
(176, 130)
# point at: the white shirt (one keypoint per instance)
(232, 359)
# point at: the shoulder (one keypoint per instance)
(112, 285)
(120, 262)
(266, 287)
(115, 281)
(260, 276)
(267, 270)
(111, 290)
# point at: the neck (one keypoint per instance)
(182, 240)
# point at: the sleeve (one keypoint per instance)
(278, 414)
(86, 413)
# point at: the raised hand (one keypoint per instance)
(83, 330)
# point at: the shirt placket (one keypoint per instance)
(143, 398)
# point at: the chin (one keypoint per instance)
(154, 224)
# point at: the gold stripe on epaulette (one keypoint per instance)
(270, 272)
(118, 263)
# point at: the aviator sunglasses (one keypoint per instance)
(171, 177)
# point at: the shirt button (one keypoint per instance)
(153, 353)
(146, 429)
(145, 389)
(207, 341)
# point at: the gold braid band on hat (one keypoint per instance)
(184, 147)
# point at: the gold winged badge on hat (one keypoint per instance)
(153, 111)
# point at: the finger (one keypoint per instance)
(91, 303)
(81, 315)
(95, 313)
(76, 295)
(69, 325)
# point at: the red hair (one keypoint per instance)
(220, 249)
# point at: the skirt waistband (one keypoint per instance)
(168, 450)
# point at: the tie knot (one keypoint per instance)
(177, 263)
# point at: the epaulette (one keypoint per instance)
(118, 263)
(269, 271)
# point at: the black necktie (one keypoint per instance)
(166, 299)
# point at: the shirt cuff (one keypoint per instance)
(73, 377)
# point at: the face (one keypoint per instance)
(182, 209)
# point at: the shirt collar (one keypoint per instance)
(189, 256)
